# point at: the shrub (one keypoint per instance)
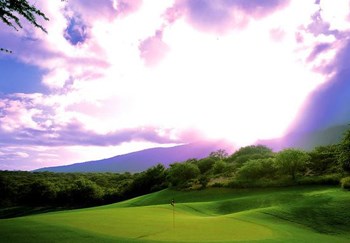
(345, 183)
(332, 179)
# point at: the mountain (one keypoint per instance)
(307, 140)
(141, 160)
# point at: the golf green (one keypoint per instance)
(298, 214)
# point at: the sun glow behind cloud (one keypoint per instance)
(163, 72)
(241, 85)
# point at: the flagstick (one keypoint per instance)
(174, 216)
(173, 204)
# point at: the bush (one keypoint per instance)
(345, 183)
(261, 183)
(332, 179)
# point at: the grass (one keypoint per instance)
(295, 214)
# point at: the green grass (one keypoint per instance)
(295, 214)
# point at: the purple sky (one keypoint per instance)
(115, 76)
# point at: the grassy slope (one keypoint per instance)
(303, 214)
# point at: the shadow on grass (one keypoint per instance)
(20, 211)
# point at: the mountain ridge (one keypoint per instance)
(141, 160)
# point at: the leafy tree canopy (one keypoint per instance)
(344, 152)
(252, 152)
(292, 161)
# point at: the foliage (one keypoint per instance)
(153, 179)
(345, 183)
(219, 167)
(220, 154)
(327, 179)
(205, 164)
(323, 160)
(179, 174)
(12, 10)
(344, 152)
(257, 169)
(203, 180)
(251, 152)
(292, 161)
(19, 188)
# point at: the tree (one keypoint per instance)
(257, 169)
(324, 159)
(344, 152)
(292, 161)
(180, 174)
(153, 179)
(220, 154)
(12, 10)
(206, 164)
(85, 192)
(251, 152)
(219, 167)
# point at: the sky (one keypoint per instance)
(116, 76)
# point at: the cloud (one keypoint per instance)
(318, 50)
(223, 15)
(160, 72)
(126, 7)
(92, 10)
(26, 120)
(153, 49)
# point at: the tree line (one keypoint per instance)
(250, 166)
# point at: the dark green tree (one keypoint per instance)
(292, 161)
(206, 164)
(219, 167)
(257, 169)
(179, 174)
(324, 159)
(251, 152)
(220, 154)
(344, 152)
(151, 180)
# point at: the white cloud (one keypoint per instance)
(245, 84)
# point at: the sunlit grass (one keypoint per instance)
(299, 214)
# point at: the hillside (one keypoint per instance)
(307, 140)
(294, 214)
(141, 160)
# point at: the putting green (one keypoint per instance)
(216, 215)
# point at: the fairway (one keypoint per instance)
(298, 214)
